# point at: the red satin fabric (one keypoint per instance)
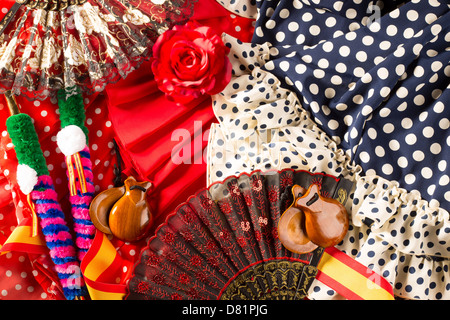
(148, 126)
(144, 122)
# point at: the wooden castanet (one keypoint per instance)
(326, 219)
(291, 227)
(102, 205)
(123, 212)
(312, 221)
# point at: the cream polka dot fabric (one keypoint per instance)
(265, 124)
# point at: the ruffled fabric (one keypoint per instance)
(374, 76)
(392, 231)
(255, 136)
(246, 9)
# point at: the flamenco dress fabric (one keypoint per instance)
(377, 86)
(29, 275)
(266, 121)
(51, 45)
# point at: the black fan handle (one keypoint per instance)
(313, 261)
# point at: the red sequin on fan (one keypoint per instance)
(169, 238)
(226, 208)
(142, 287)
(241, 241)
(172, 257)
(188, 216)
(257, 185)
(152, 260)
(193, 293)
(225, 235)
(196, 261)
(176, 296)
(286, 181)
(211, 245)
(206, 203)
(188, 236)
(159, 279)
(258, 235)
(201, 276)
(234, 190)
(183, 278)
(248, 200)
(213, 261)
(275, 233)
(273, 195)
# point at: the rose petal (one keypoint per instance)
(224, 78)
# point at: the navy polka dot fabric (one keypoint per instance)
(374, 77)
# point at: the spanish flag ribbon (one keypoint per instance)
(352, 279)
(22, 240)
(102, 267)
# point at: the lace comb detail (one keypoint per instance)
(85, 43)
(48, 5)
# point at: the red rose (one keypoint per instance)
(189, 61)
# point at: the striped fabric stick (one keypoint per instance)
(58, 238)
(79, 165)
(45, 202)
(83, 226)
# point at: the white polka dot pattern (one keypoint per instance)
(376, 78)
(263, 126)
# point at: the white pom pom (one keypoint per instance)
(26, 178)
(70, 140)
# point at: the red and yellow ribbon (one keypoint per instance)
(352, 279)
(22, 240)
(101, 267)
(34, 216)
(74, 162)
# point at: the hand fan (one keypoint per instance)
(47, 45)
(222, 243)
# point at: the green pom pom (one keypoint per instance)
(26, 142)
(71, 109)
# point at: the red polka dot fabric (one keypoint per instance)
(32, 276)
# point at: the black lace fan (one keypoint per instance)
(223, 243)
